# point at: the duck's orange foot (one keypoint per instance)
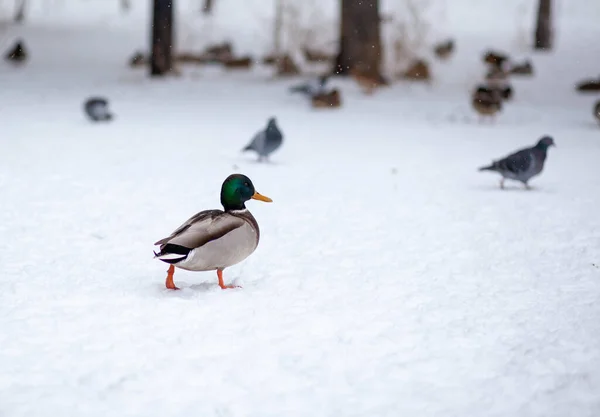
(169, 282)
(224, 287)
(222, 284)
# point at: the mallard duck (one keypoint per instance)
(495, 58)
(331, 99)
(18, 54)
(525, 68)
(444, 50)
(367, 80)
(215, 239)
(486, 101)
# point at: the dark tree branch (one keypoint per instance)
(543, 31)
(20, 11)
(161, 61)
(360, 39)
(208, 6)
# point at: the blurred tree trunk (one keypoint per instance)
(125, 5)
(161, 61)
(360, 39)
(543, 31)
(207, 7)
(20, 12)
(277, 28)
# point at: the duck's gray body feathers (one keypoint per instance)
(211, 239)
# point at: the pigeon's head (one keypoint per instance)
(236, 190)
(271, 123)
(545, 142)
(96, 101)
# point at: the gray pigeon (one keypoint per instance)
(96, 109)
(266, 141)
(311, 88)
(524, 164)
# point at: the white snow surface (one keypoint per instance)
(391, 279)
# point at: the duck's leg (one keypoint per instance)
(221, 283)
(169, 282)
(502, 183)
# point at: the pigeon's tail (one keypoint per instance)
(492, 167)
(248, 147)
(299, 89)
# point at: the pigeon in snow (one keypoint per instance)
(96, 108)
(266, 141)
(313, 87)
(524, 164)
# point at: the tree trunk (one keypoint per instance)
(162, 38)
(360, 39)
(543, 31)
(208, 6)
(125, 5)
(277, 28)
(20, 12)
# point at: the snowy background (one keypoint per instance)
(392, 279)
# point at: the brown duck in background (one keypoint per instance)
(496, 75)
(590, 85)
(525, 68)
(315, 55)
(496, 59)
(444, 50)
(138, 59)
(238, 63)
(367, 81)
(418, 71)
(327, 100)
(486, 102)
(497, 79)
(18, 54)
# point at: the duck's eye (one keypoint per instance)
(246, 184)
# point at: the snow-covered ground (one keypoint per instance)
(392, 279)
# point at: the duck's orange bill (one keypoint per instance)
(261, 197)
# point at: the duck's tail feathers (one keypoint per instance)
(172, 254)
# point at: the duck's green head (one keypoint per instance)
(236, 190)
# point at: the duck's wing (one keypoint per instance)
(197, 231)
